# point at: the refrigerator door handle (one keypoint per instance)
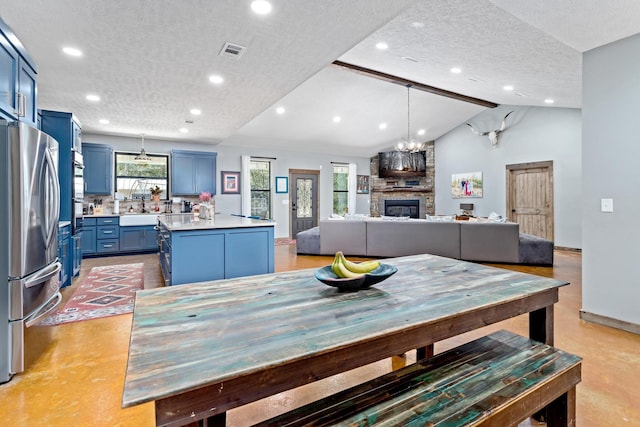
(50, 182)
(43, 275)
(43, 310)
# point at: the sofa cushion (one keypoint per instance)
(308, 241)
(400, 238)
(535, 250)
(350, 237)
(489, 241)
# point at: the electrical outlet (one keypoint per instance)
(606, 205)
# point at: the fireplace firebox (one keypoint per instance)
(410, 208)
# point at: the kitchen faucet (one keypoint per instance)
(143, 208)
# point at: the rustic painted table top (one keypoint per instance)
(190, 336)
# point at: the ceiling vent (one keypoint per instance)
(232, 50)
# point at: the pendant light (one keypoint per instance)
(408, 144)
(142, 157)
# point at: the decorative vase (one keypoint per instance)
(155, 197)
(202, 210)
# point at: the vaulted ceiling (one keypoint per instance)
(150, 63)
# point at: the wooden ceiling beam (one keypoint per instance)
(416, 85)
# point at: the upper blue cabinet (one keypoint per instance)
(98, 169)
(18, 82)
(193, 172)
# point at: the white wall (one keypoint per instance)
(611, 149)
(229, 160)
(533, 134)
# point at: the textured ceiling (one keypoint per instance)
(150, 62)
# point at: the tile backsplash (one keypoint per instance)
(105, 203)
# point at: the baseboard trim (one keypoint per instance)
(564, 248)
(610, 322)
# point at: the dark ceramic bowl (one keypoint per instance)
(328, 277)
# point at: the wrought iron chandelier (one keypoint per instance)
(408, 144)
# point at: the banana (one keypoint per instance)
(362, 267)
(341, 270)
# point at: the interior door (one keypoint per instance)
(530, 197)
(304, 200)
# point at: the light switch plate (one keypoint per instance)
(606, 205)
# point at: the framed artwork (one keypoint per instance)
(362, 186)
(466, 185)
(282, 184)
(230, 182)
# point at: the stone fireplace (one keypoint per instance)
(410, 208)
(398, 189)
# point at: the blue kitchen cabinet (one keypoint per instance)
(64, 128)
(193, 172)
(202, 255)
(98, 168)
(18, 79)
(107, 234)
(76, 254)
(88, 239)
(138, 238)
(64, 254)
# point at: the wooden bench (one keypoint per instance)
(497, 380)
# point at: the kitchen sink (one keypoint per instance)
(138, 219)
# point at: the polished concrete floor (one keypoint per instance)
(77, 376)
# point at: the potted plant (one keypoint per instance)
(155, 193)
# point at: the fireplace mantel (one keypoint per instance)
(415, 189)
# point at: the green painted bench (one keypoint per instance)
(497, 380)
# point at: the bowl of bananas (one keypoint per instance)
(353, 276)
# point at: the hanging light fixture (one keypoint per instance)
(142, 157)
(409, 144)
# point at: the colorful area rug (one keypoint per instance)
(106, 291)
(283, 241)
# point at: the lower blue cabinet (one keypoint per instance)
(64, 255)
(76, 252)
(138, 238)
(88, 240)
(105, 236)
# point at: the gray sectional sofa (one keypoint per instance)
(471, 241)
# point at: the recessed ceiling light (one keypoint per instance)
(261, 7)
(104, 121)
(280, 110)
(183, 130)
(195, 111)
(422, 132)
(337, 119)
(549, 101)
(382, 46)
(456, 70)
(508, 88)
(382, 126)
(93, 98)
(417, 24)
(216, 79)
(72, 51)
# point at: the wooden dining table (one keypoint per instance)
(199, 350)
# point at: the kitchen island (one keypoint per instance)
(196, 250)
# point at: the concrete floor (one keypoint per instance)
(77, 376)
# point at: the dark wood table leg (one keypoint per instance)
(424, 352)
(562, 411)
(541, 329)
(219, 420)
(541, 325)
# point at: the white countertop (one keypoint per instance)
(186, 222)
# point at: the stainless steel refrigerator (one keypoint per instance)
(29, 212)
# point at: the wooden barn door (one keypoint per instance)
(530, 197)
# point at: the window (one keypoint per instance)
(135, 179)
(260, 173)
(340, 189)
